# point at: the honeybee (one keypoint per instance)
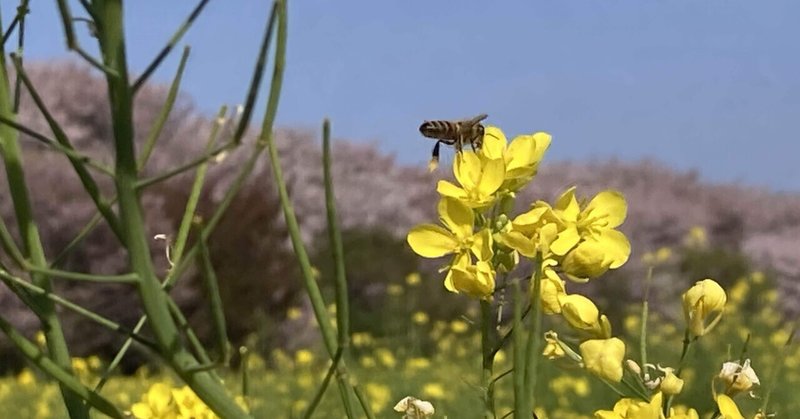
(455, 133)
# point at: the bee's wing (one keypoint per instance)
(474, 120)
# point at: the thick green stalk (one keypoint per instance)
(12, 157)
(154, 300)
(487, 357)
(521, 399)
(534, 348)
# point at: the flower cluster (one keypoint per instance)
(578, 241)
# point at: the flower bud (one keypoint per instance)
(702, 301)
(671, 384)
(603, 358)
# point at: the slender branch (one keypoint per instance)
(163, 114)
(69, 152)
(78, 165)
(176, 37)
(204, 158)
(97, 318)
(72, 41)
(65, 378)
(130, 278)
(29, 233)
(324, 386)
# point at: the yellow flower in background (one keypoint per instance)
(634, 409)
(434, 390)
(379, 396)
(702, 301)
(603, 358)
(190, 406)
(303, 357)
(413, 279)
(581, 313)
(738, 378)
(696, 237)
(480, 180)
(156, 403)
(727, 408)
(521, 157)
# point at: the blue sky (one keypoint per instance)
(712, 85)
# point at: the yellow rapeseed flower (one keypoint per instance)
(157, 403)
(603, 357)
(433, 241)
(413, 279)
(634, 409)
(521, 157)
(582, 314)
(590, 244)
(552, 349)
(303, 357)
(480, 180)
(434, 390)
(702, 301)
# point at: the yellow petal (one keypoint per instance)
(467, 169)
(431, 241)
(580, 312)
(587, 260)
(461, 261)
(446, 188)
(494, 143)
(616, 246)
(568, 206)
(518, 242)
(521, 157)
(565, 241)
(610, 205)
(476, 281)
(482, 245)
(492, 177)
(728, 408)
(456, 216)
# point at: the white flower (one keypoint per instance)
(738, 377)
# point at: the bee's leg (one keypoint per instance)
(434, 163)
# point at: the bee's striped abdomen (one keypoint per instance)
(446, 131)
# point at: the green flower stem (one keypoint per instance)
(244, 353)
(65, 378)
(22, 10)
(534, 345)
(203, 159)
(215, 300)
(29, 232)
(324, 386)
(522, 401)
(233, 189)
(10, 246)
(194, 196)
(10, 280)
(176, 37)
(130, 278)
(487, 358)
(687, 345)
(154, 300)
(72, 41)
(643, 329)
(69, 152)
(335, 238)
(163, 114)
(78, 165)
